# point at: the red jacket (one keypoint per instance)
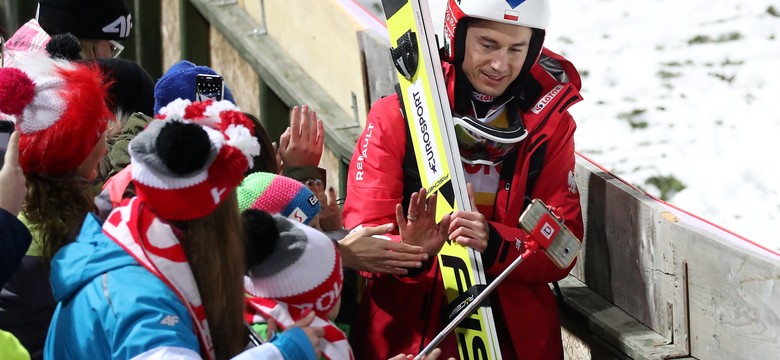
(402, 314)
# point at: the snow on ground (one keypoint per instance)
(680, 101)
(682, 91)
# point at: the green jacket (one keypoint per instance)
(11, 349)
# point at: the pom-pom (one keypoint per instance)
(228, 118)
(175, 109)
(195, 110)
(64, 46)
(261, 235)
(241, 138)
(218, 107)
(229, 167)
(16, 91)
(183, 147)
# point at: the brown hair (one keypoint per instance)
(215, 248)
(55, 207)
(266, 161)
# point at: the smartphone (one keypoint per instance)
(6, 128)
(209, 87)
(560, 245)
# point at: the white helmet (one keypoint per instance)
(529, 13)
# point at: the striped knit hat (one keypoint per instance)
(295, 264)
(187, 161)
(60, 109)
(278, 194)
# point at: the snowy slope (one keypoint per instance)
(685, 90)
(680, 100)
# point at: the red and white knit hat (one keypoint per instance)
(186, 162)
(303, 270)
(60, 109)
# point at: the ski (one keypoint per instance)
(415, 55)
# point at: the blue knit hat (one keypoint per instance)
(276, 194)
(179, 82)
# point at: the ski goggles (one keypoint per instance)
(484, 144)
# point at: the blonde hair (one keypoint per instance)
(89, 48)
(215, 249)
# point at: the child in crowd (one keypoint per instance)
(14, 236)
(60, 111)
(100, 25)
(292, 270)
(162, 277)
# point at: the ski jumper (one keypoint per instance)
(401, 314)
(113, 307)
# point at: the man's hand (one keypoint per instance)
(419, 227)
(13, 184)
(301, 144)
(470, 228)
(361, 251)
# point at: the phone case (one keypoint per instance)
(6, 128)
(545, 228)
(208, 87)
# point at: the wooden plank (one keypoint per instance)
(734, 298)
(194, 32)
(703, 289)
(612, 325)
(624, 258)
(147, 36)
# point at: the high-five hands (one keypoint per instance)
(419, 227)
(360, 250)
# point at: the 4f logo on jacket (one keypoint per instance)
(170, 320)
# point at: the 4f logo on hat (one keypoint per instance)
(122, 26)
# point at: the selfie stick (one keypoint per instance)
(474, 304)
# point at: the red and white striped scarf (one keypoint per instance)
(334, 344)
(155, 246)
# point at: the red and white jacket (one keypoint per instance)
(402, 314)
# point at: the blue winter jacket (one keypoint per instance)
(111, 307)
